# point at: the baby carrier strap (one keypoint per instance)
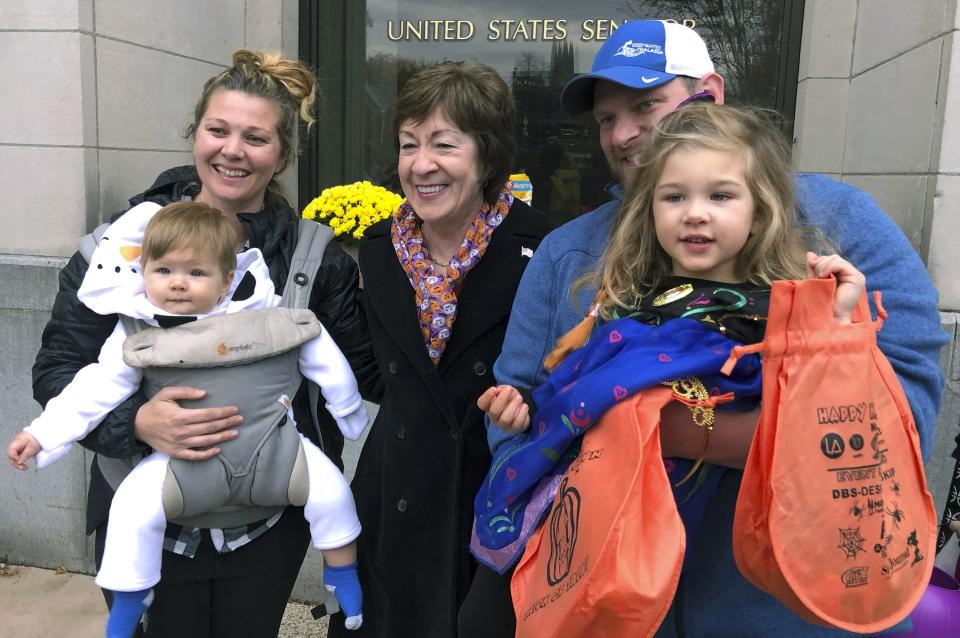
(227, 340)
(311, 244)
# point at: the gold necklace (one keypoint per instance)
(442, 264)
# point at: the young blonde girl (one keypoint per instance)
(707, 224)
(644, 251)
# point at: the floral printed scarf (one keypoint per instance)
(436, 288)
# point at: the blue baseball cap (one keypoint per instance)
(641, 54)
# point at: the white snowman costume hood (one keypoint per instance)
(114, 281)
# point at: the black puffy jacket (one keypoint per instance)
(74, 335)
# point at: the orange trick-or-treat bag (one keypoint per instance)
(833, 518)
(606, 560)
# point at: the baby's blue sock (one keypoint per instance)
(125, 613)
(345, 585)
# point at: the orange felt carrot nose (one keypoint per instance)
(130, 252)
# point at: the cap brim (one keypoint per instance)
(577, 95)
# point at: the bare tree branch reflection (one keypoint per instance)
(744, 38)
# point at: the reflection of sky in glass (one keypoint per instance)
(500, 54)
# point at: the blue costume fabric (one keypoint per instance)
(623, 357)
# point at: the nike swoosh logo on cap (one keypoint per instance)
(647, 80)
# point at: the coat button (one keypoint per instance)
(392, 367)
(402, 505)
(479, 369)
(401, 433)
(454, 435)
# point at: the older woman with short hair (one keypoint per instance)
(439, 277)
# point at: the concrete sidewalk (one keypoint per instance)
(40, 603)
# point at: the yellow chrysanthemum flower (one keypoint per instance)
(349, 209)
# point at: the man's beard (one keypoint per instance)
(624, 166)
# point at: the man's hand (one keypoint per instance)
(176, 431)
(23, 448)
(850, 282)
(506, 408)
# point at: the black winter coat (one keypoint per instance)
(426, 454)
(74, 335)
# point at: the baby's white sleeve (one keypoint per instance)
(322, 362)
(95, 391)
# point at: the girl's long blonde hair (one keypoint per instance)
(634, 262)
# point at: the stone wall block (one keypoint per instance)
(890, 122)
(43, 511)
(208, 30)
(124, 174)
(827, 44)
(888, 28)
(820, 125)
(42, 94)
(146, 97)
(42, 15)
(944, 258)
(47, 198)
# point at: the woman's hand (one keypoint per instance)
(176, 431)
(850, 282)
(23, 448)
(506, 408)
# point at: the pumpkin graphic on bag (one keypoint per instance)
(611, 545)
(564, 523)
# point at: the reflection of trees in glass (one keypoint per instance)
(528, 83)
(385, 74)
(390, 69)
(558, 151)
(536, 86)
(744, 38)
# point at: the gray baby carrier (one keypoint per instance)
(256, 356)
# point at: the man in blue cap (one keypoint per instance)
(642, 72)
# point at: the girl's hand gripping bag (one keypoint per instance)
(833, 517)
(606, 560)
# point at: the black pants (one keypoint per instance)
(487, 611)
(241, 593)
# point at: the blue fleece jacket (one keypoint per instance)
(713, 598)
